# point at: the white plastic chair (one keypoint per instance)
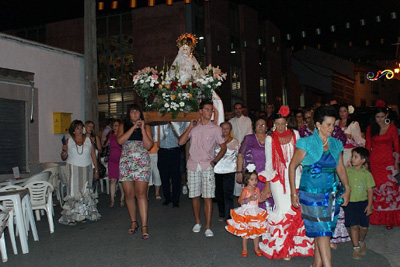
(54, 179)
(40, 193)
(41, 176)
(9, 205)
(4, 215)
(48, 165)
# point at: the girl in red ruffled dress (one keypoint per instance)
(248, 221)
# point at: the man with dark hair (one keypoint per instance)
(204, 136)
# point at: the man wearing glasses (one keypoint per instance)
(204, 136)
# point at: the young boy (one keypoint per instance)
(360, 206)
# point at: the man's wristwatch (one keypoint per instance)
(214, 162)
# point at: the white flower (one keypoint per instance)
(251, 167)
(163, 94)
(351, 109)
(174, 107)
(219, 83)
(209, 86)
(166, 105)
(181, 104)
(141, 81)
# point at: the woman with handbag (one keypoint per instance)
(113, 162)
(79, 152)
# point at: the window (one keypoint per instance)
(13, 150)
(362, 77)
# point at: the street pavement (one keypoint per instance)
(172, 243)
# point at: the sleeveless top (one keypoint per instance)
(79, 155)
(136, 134)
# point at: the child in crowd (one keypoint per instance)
(360, 206)
(248, 221)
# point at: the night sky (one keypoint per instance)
(291, 16)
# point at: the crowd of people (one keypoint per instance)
(303, 178)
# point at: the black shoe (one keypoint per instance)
(166, 202)
(175, 205)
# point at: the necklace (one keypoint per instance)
(261, 145)
(326, 142)
(77, 151)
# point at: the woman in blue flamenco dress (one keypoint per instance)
(321, 158)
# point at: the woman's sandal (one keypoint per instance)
(258, 252)
(133, 230)
(111, 205)
(244, 253)
(122, 204)
(145, 235)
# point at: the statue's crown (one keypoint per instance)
(187, 39)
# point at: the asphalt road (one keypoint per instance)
(107, 243)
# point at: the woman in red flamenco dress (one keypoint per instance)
(383, 144)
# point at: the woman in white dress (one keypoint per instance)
(352, 131)
(79, 152)
(285, 236)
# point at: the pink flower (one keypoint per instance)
(284, 111)
(135, 77)
(216, 76)
(154, 77)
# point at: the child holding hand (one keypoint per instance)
(359, 209)
(248, 221)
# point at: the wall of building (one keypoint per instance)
(67, 34)
(59, 79)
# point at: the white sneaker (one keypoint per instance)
(196, 228)
(185, 190)
(209, 233)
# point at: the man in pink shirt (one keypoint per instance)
(204, 136)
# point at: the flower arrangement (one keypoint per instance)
(172, 96)
(145, 81)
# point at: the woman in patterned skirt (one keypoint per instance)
(136, 138)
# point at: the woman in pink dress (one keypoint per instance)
(113, 162)
(383, 144)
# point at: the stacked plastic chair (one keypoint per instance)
(4, 215)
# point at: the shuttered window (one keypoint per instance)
(12, 136)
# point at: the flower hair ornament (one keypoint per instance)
(284, 111)
(350, 108)
(251, 167)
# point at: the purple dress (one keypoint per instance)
(254, 152)
(113, 159)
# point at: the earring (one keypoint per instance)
(387, 121)
(319, 128)
(274, 128)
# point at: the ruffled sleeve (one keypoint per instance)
(395, 138)
(302, 144)
(268, 174)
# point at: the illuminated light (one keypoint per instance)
(367, 42)
(347, 25)
(201, 38)
(259, 63)
(388, 74)
(244, 43)
(113, 79)
(382, 41)
(232, 46)
(259, 41)
(204, 50)
(362, 22)
(288, 37)
(393, 15)
(318, 31)
(218, 48)
(350, 44)
(303, 34)
(396, 70)
(378, 18)
(233, 52)
(333, 28)
(273, 39)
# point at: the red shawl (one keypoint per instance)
(278, 160)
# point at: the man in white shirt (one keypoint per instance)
(241, 125)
